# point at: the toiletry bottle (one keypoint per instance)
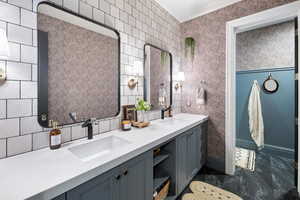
(55, 136)
(126, 125)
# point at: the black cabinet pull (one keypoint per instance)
(118, 177)
(125, 173)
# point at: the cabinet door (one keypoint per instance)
(193, 153)
(203, 142)
(61, 197)
(181, 162)
(99, 188)
(200, 147)
(137, 178)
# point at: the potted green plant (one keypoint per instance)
(163, 57)
(190, 46)
(142, 107)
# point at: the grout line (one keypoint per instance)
(6, 114)
(6, 153)
(20, 10)
(32, 143)
(20, 93)
(20, 127)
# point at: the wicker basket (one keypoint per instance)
(163, 193)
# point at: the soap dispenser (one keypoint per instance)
(55, 135)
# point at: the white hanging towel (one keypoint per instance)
(256, 122)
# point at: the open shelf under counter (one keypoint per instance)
(160, 158)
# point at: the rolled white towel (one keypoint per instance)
(201, 96)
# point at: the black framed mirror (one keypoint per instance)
(158, 64)
(79, 67)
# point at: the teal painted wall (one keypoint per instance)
(278, 108)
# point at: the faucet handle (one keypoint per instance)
(88, 122)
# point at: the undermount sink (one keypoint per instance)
(169, 120)
(98, 148)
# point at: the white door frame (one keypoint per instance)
(261, 19)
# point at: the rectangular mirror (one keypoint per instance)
(158, 77)
(79, 67)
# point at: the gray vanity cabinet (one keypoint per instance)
(137, 178)
(193, 153)
(203, 142)
(130, 181)
(181, 161)
(189, 156)
(133, 180)
(102, 187)
(61, 197)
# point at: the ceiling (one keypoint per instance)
(184, 10)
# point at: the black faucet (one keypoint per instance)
(89, 124)
(164, 110)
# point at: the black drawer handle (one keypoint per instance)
(125, 173)
(118, 177)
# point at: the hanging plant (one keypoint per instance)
(163, 57)
(190, 45)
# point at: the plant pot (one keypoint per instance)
(143, 116)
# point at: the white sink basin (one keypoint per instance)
(98, 148)
(169, 120)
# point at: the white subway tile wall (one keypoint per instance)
(2, 109)
(40, 140)
(17, 145)
(19, 108)
(19, 34)
(77, 132)
(2, 148)
(18, 71)
(10, 90)
(14, 51)
(138, 21)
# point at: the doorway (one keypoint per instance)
(265, 105)
(266, 18)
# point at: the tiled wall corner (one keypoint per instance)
(138, 21)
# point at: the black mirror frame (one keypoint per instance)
(42, 93)
(171, 72)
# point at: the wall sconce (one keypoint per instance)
(132, 83)
(179, 78)
(4, 52)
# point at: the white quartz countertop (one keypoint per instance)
(45, 174)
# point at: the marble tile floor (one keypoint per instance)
(273, 179)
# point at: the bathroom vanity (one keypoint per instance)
(123, 168)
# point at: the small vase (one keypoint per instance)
(143, 116)
(140, 116)
(146, 116)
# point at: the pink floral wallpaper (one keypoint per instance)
(209, 31)
(83, 71)
(268, 47)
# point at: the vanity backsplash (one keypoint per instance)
(138, 22)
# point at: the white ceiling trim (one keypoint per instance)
(212, 7)
(183, 12)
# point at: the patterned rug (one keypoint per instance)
(245, 158)
(204, 191)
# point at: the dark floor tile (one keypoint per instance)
(272, 179)
(290, 195)
(282, 176)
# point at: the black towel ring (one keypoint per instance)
(270, 84)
